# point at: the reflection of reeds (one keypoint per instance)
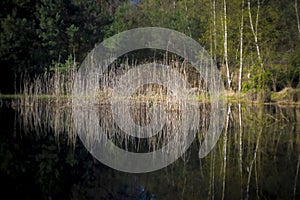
(45, 116)
(48, 115)
(172, 129)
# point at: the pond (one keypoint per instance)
(257, 155)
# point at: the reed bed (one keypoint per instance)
(45, 105)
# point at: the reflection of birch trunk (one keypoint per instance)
(241, 149)
(256, 178)
(184, 181)
(260, 125)
(297, 139)
(225, 151)
(211, 192)
(296, 177)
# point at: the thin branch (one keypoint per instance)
(296, 177)
(297, 16)
(257, 15)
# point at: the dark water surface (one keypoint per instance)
(257, 157)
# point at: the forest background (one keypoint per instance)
(255, 43)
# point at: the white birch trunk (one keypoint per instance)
(214, 30)
(241, 48)
(225, 47)
(254, 30)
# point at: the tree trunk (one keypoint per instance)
(241, 48)
(254, 30)
(225, 47)
(261, 84)
(214, 30)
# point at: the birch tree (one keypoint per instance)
(226, 47)
(254, 30)
(214, 29)
(241, 47)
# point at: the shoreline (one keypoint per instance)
(287, 96)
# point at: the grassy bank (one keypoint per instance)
(287, 96)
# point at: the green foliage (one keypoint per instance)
(50, 25)
(177, 15)
(34, 34)
(295, 63)
(284, 76)
(67, 66)
(260, 79)
(72, 32)
(121, 20)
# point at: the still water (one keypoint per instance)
(257, 156)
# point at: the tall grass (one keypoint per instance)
(56, 82)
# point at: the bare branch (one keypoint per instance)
(297, 16)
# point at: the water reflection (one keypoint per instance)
(175, 132)
(257, 156)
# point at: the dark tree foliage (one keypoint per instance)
(34, 34)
